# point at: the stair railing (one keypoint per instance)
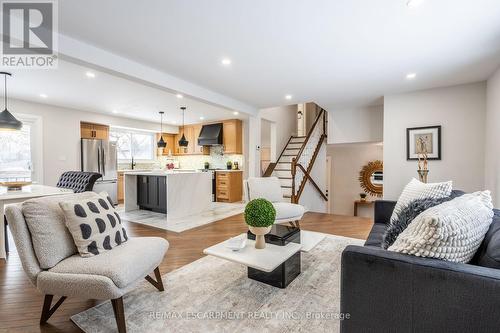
(304, 162)
(272, 165)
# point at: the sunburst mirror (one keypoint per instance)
(371, 178)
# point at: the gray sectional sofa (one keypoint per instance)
(385, 291)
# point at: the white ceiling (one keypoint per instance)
(336, 53)
(68, 86)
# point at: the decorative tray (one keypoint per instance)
(15, 185)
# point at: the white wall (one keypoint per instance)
(362, 124)
(285, 118)
(492, 152)
(347, 162)
(461, 111)
(310, 197)
(61, 134)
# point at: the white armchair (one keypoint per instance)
(269, 188)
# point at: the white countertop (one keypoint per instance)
(222, 170)
(159, 172)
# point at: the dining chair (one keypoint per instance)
(78, 181)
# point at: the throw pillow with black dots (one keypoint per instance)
(94, 224)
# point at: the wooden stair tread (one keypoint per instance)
(282, 186)
(282, 169)
(284, 177)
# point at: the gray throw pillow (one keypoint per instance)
(51, 239)
(406, 215)
(94, 224)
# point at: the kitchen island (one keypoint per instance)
(175, 193)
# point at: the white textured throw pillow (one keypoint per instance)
(450, 231)
(417, 190)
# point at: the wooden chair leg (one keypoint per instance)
(119, 314)
(47, 311)
(158, 283)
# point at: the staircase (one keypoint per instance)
(297, 159)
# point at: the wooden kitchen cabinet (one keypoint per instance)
(191, 132)
(232, 136)
(94, 131)
(170, 140)
(199, 150)
(121, 187)
(229, 186)
(182, 150)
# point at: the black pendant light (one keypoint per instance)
(161, 143)
(183, 142)
(7, 121)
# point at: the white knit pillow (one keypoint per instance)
(417, 190)
(450, 231)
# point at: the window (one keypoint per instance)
(139, 145)
(15, 154)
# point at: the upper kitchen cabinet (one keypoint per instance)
(191, 132)
(204, 150)
(94, 131)
(170, 140)
(232, 136)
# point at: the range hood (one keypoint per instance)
(210, 135)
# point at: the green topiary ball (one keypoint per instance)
(260, 213)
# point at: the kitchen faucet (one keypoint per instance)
(133, 164)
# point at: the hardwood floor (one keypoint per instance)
(21, 303)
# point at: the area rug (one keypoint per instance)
(214, 295)
(218, 211)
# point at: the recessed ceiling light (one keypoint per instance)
(226, 61)
(115, 111)
(288, 97)
(414, 3)
(201, 118)
(411, 76)
(236, 113)
(179, 96)
(174, 122)
(90, 75)
(43, 95)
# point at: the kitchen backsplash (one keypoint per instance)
(216, 159)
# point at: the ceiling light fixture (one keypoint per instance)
(90, 75)
(288, 97)
(183, 142)
(236, 113)
(414, 3)
(43, 95)
(161, 143)
(411, 76)
(7, 121)
(179, 96)
(201, 118)
(115, 111)
(226, 61)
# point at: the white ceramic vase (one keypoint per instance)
(259, 232)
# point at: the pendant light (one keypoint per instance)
(7, 121)
(183, 142)
(161, 143)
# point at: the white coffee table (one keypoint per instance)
(274, 265)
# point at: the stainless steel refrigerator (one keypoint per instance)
(100, 156)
